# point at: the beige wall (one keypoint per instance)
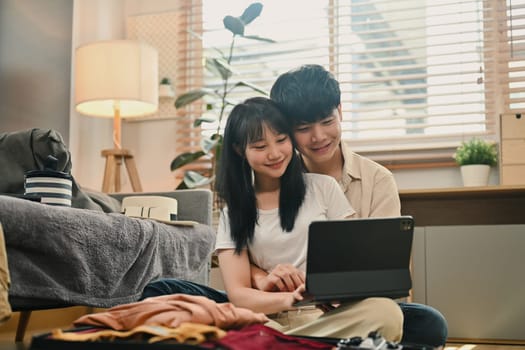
(151, 141)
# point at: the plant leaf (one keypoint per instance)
(219, 67)
(193, 179)
(208, 144)
(255, 37)
(218, 150)
(234, 25)
(185, 158)
(191, 96)
(252, 12)
(476, 151)
(251, 86)
(201, 120)
(229, 102)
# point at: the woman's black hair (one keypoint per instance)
(234, 182)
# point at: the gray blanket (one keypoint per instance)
(87, 257)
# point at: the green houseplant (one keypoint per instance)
(217, 100)
(476, 151)
(475, 157)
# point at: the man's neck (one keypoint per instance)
(332, 167)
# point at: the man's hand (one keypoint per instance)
(283, 278)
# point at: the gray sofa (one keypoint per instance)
(194, 205)
(90, 254)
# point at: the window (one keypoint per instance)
(417, 77)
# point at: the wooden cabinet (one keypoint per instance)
(468, 258)
(512, 149)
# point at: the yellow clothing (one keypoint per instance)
(5, 281)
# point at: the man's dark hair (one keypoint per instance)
(306, 94)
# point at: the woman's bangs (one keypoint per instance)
(250, 130)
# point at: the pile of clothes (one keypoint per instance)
(177, 319)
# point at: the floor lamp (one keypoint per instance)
(116, 79)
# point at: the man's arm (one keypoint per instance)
(235, 270)
(283, 278)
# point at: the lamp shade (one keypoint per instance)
(120, 74)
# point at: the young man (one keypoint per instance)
(310, 97)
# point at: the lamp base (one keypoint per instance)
(114, 158)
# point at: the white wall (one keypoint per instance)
(435, 178)
(152, 141)
(93, 20)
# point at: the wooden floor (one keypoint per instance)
(43, 321)
(483, 347)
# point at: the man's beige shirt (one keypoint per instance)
(370, 187)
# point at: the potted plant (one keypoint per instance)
(217, 100)
(475, 157)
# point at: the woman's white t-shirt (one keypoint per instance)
(271, 245)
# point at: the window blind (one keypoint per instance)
(416, 76)
(512, 56)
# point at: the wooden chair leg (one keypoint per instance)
(23, 321)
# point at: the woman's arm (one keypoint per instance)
(236, 275)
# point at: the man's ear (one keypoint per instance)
(339, 110)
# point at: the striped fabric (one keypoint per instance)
(52, 187)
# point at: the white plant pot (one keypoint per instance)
(475, 174)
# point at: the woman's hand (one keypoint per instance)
(296, 295)
(283, 278)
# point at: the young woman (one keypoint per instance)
(269, 204)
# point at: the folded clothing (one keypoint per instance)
(187, 332)
(171, 311)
